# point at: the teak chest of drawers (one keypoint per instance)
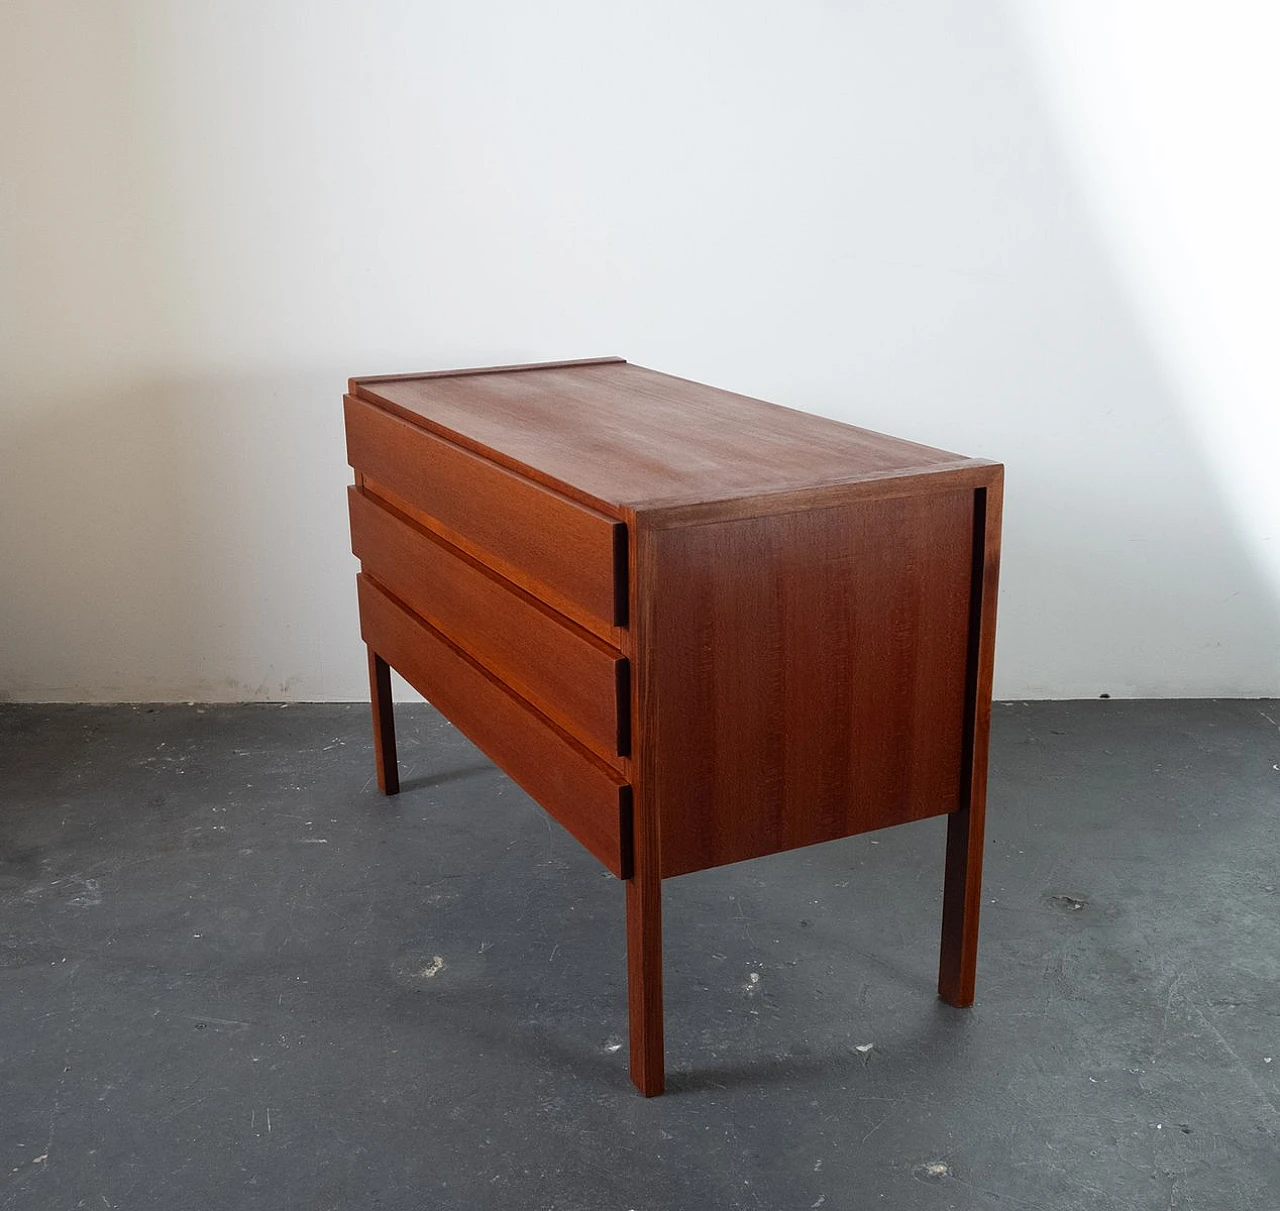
(695, 627)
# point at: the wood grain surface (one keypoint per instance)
(617, 435)
(804, 674)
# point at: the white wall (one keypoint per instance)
(938, 219)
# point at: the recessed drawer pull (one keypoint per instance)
(565, 671)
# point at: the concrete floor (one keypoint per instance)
(233, 976)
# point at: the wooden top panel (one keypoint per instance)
(621, 436)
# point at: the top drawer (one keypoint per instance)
(571, 556)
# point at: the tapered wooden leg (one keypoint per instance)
(384, 725)
(962, 890)
(961, 901)
(644, 977)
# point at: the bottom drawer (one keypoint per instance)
(585, 796)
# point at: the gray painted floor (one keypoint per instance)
(233, 976)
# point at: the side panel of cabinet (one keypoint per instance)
(805, 674)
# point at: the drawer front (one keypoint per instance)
(570, 556)
(566, 672)
(591, 800)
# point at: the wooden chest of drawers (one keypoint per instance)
(695, 627)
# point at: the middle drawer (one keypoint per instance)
(563, 670)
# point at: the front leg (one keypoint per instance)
(384, 725)
(644, 983)
(961, 904)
